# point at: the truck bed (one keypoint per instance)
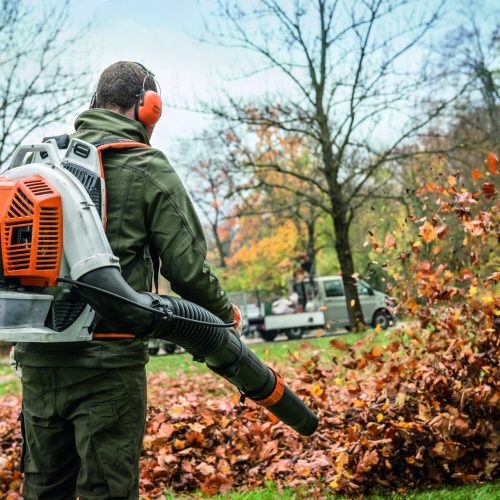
(295, 320)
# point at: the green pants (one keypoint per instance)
(83, 432)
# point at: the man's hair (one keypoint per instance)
(121, 83)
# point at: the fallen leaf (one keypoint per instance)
(316, 390)
(428, 232)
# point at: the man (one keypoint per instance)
(84, 404)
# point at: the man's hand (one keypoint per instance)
(237, 319)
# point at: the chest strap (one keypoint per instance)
(110, 336)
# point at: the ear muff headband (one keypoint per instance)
(148, 105)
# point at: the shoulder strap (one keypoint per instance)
(62, 141)
(114, 143)
(115, 139)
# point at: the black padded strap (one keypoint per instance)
(127, 270)
(62, 141)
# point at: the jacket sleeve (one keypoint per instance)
(180, 242)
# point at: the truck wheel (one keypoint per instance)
(153, 351)
(269, 335)
(170, 348)
(294, 333)
(381, 318)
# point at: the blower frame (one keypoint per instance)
(85, 263)
(24, 308)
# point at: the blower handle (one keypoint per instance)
(20, 153)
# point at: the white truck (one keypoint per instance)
(325, 307)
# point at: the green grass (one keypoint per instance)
(172, 363)
(5, 369)
(490, 491)
(276, 352)
(9, 383)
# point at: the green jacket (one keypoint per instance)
(146, 202)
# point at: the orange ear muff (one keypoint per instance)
(149, 108)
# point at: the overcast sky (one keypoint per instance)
(164, 35)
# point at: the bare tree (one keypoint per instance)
(210, 186)
(358, 95)
(38, 84)
(472, 52)
(209, 190)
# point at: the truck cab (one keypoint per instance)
(330, 296)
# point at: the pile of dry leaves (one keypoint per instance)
(418, 412)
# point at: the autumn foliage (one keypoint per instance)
(416, 412)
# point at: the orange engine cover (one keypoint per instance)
(31, 230)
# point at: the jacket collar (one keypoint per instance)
(112, 123)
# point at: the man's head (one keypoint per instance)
(119, 89)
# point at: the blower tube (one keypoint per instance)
(207, 339)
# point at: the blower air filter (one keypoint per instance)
(31, 230)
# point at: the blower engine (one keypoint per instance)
(59, 271)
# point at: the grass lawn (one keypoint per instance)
(276, 352)
(9, 383)
(269, 352)
(489, 491)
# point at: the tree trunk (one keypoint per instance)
(344, 254)
(220, 248)
(341, 226)
(311, 245)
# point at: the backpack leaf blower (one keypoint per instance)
(59, 271)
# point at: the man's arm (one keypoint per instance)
(179, 239)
